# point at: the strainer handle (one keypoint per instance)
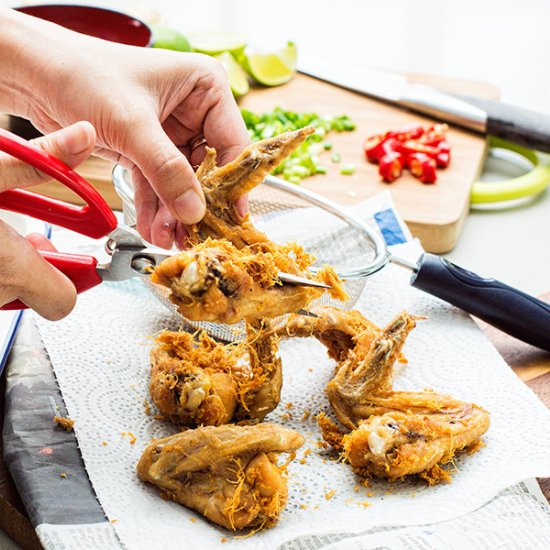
(502, 306)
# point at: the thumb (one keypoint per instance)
(71, 145)
(167, 171)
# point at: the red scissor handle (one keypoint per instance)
(95, 219)
(81, 269)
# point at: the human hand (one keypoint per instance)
(24, 274)
(148, 107)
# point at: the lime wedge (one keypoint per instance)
(289, 55)
(235, 73)
(170, 39)
(272, 69)
(214, 43)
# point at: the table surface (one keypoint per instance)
(505, 44)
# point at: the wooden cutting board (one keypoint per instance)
(434, 213)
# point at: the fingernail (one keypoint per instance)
(75, 139)
(189, 207)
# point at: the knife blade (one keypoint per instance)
(484, 116)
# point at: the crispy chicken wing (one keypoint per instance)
(197, 382)
(214, 281)
(367, 370)
(338, 330)
(388, 433)
(227, 473)
(231, 273)
(223, 185)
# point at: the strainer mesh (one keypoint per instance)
(285, 217)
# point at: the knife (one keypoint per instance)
(484, 116)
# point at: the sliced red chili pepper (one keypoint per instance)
(443, 160)
(409, 147)
(435, 134)
(371, 148)
(423, 167)
(391, 166)
(410, 131)
(444, 147)
(429, 174)
(375, 150)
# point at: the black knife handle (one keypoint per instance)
(518, 125)
(504, 307)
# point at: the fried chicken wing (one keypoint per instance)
(388, 434)
(227, 473)
(198, 381)
(223, 185)
(338, 330)
(214, 281)
(231, 272)
(400, 443)
(367, 370)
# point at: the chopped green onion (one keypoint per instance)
(336, 158)
(304, 161)
(347, 170)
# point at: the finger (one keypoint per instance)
(40, 242)
(167, 170)
(224, 128)
(71, 145)
(177, 131)
(242, 205)
(146, 203)
(26, 276)
(163, 228)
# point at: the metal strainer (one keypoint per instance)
(286, 212)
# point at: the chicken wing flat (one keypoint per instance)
(197, 381)
(231, 272)
(229, 474)
(388, 434)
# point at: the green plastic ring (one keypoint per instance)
(532, 183)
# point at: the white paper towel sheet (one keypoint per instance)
(100, 357)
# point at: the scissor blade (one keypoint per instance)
(129, 262)
(288, 279)
(307, 313)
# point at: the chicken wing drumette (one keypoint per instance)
(227, 473)
(231, 272)
(198, 381)
(388, 433)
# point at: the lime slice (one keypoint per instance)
(170, 39)
(235, 73)
(289, 55)
(272, 69)
(214, 43)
